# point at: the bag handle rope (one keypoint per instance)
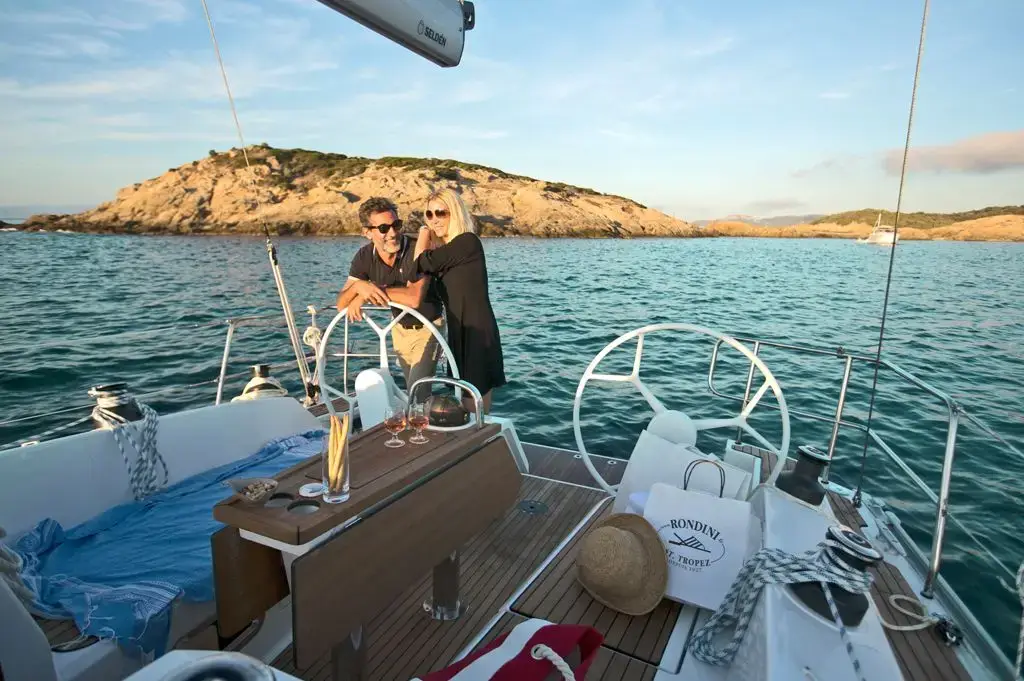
(693, 464)
(543, 652)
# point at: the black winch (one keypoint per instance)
(857, 552)
(804, 480)
(114, 398)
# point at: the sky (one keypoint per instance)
(700, 109)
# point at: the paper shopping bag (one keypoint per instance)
(706, 540)
(655, 459)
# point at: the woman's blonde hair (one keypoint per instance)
(459, 218)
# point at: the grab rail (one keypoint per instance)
(256, 320)
(955, 413)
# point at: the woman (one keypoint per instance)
(449, 250)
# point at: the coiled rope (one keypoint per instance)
(924, 620)
(773, 566)
(142, 474)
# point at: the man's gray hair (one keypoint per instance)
(376, 204)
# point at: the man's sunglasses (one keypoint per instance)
(384, 229)
(440, 213)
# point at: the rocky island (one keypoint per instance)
(306, 192)
(314, 193)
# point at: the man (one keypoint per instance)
(384, 270)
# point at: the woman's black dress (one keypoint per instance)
(461, 273)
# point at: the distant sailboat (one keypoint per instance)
(882, 235)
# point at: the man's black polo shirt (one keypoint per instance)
(367, 265)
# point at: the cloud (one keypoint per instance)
(622, 131)
(368, 100)
(61, 46)
(167, 136)
(179, 78)
(474, 92)
(716, 45)
(126, 15)
(982, 154)
(163, 10)
(774, 205)
(834, 164)
(35, 124)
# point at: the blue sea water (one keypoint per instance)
(80, 310)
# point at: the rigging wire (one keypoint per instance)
(312, 391)
(892, 254)
(234, 115)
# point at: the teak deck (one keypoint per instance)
(557, 597)
(403, 642)
(343, 583)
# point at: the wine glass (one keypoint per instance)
(394, 423)
(418, 420)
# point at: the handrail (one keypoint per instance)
(253, 320)
(382, 353)
(129, 332)
(955, 411)
(478, 399)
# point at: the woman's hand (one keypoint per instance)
(424, 241)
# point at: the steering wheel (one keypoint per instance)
(382, 334)
(680, 420)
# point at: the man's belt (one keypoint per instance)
(416, 325)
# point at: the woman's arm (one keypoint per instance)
(463, 248)
(424, 241)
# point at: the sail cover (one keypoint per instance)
(433, 29)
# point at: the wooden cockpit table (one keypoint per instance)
(410, 510)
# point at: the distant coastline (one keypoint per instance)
(309, 193)
(1006, 229)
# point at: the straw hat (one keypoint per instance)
(621, 563)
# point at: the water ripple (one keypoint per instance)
(956, 320)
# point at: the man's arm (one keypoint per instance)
(360, 288)
(410, 295)
(347, 294)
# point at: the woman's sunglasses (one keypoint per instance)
(384, 229)
(439, 213)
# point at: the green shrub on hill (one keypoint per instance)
(917, 220)
(298, 164)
